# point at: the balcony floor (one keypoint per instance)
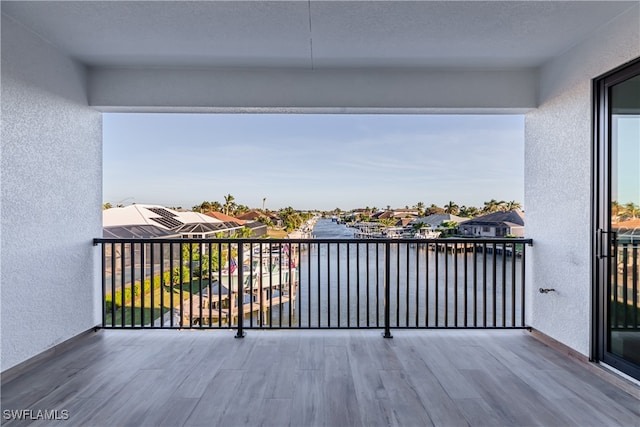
(308, 378)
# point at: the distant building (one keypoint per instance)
(254, 215)
(435, 220)
(258, 229)
(152, 221)
(497, 224)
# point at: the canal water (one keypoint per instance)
(343, 285)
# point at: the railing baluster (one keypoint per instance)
(172, 309)
(504, 284)
(319, 296)
(407, 286)
(348, 285)
(634, 288)
(338, 298)
(466, 285)
(387, 290)
(625, 281)
(153, 284)
(377, 285)
(309, 285)
(113, 283)
(522, 286)
(455, 284)
(484, 285)
(426, 285)
(417, 285)
(494, 284)
(475, 285)
(358, 285)
(397, 306)
(446, 284)
(514, 258)
(368, 285)
(328, 285)
(436, 288)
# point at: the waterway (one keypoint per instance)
(343, 284)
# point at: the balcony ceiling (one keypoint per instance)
(315, 34)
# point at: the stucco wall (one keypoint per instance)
(51, 193)
(558, 180)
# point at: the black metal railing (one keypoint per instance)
(313, 284)
(625, 290)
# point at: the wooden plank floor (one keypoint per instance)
(318, 378)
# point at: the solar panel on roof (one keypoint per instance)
(167, 222)
(163, 212)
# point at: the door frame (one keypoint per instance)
(601, 215)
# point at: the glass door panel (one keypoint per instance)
(623, 299)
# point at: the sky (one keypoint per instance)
(309, 161)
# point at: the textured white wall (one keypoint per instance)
(558, 181)
(51, 174)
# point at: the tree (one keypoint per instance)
(265, 220)
(106, 206)
(241, 209)
(420, 207)
(616, 209)
(469, 211)
(292, 219)
(492, 206)
(216, 206)
(229, 203)
(433, 209)
(512, 206)
(388, 222)
(631, 211)
(451, 208)
(205, 207)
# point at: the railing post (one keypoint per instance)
(240, 297)
(387, 290)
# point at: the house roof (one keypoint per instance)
(146, 221)
(437, 219)
(137, 232)
(251, 215)
(139, 214)
(223, 217)
(511, 218)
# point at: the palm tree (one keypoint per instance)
(241, 209)
(451, 208)
(469, 211)
(631, 210)
(216, 206)
(420, 207)
(106, 206)
(492, 206)
(512, 206)
(205, 206)
(229, 204)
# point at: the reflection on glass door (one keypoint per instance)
(617, 218)
(624, 298)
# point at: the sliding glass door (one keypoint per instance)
(617, 219)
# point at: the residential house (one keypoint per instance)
(497, 224)
(253, 215)
(258, 229)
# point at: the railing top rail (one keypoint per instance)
(452, 240)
